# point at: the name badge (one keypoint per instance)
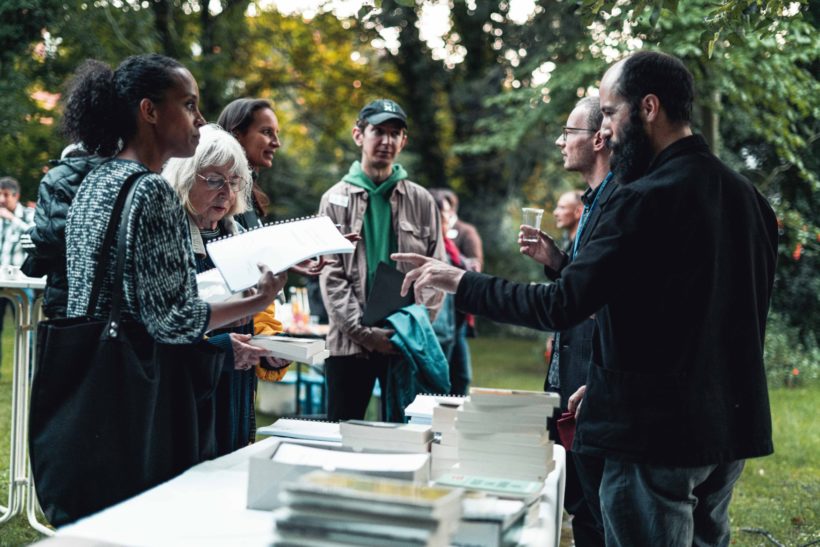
(339, 199)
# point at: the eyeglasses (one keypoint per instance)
(215, 182)
(565, 130)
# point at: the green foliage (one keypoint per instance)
(791, 357)
(21, 24)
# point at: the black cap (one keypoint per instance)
(381, 110)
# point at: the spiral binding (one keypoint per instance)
(251, 229)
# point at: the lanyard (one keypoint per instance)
(587, 212)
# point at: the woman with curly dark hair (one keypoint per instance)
(138, 117)
(143, 113)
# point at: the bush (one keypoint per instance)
(790, 359)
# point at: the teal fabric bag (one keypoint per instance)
(423, 369)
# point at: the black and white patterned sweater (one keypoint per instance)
(160, 275)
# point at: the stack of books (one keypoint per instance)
(503, 433)
(323, 509)
(303, 350)
(271, 469)
(385, 436)
(420, 411)
(444, 451)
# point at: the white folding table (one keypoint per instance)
(27, 313)
(205, 506)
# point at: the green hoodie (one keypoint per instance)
(377, 231)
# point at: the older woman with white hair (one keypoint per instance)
(213, 186)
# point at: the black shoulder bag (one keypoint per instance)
(114, 412)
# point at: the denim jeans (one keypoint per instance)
(672, 506)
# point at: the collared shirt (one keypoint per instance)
(11, 252)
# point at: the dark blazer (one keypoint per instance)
(575, 343)
(679, 270)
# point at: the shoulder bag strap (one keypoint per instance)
(113, 226)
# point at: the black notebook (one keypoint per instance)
(385, 295)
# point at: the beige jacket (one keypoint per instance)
(417, 224)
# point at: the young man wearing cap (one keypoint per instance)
(376, 199)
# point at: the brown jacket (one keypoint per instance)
(417, 224)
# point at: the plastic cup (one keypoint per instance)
(532, 217)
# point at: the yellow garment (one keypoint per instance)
(265, 323)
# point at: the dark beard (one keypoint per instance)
(632, 154)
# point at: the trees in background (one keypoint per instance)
(486, 96)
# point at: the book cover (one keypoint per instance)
(517, 489)
(278, 246)
(385, 295)
(379, 496)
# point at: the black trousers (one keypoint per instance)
(350, 380)
(587, 521)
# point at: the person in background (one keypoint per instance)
(568, 210)
(468, 244)
(676, 399)
(584, 151)
(214, 185)
(15, 219)
(256, 127)
(45, 241)
(445, 323)
(465, 236)
(377, 199)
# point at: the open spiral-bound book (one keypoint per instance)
(278, 245)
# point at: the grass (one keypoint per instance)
(779, 494)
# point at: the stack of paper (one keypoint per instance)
(385, 436)
(303, 350)
(503, 433)
(337, 509)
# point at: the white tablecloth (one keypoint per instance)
(206, 506)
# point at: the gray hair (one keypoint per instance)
(594, 115)
(216, 148)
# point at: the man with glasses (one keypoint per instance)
(584, 151)
(679, 273)
(375, 199)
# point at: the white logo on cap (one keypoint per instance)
(388, 107)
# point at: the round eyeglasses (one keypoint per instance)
(216, 182)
